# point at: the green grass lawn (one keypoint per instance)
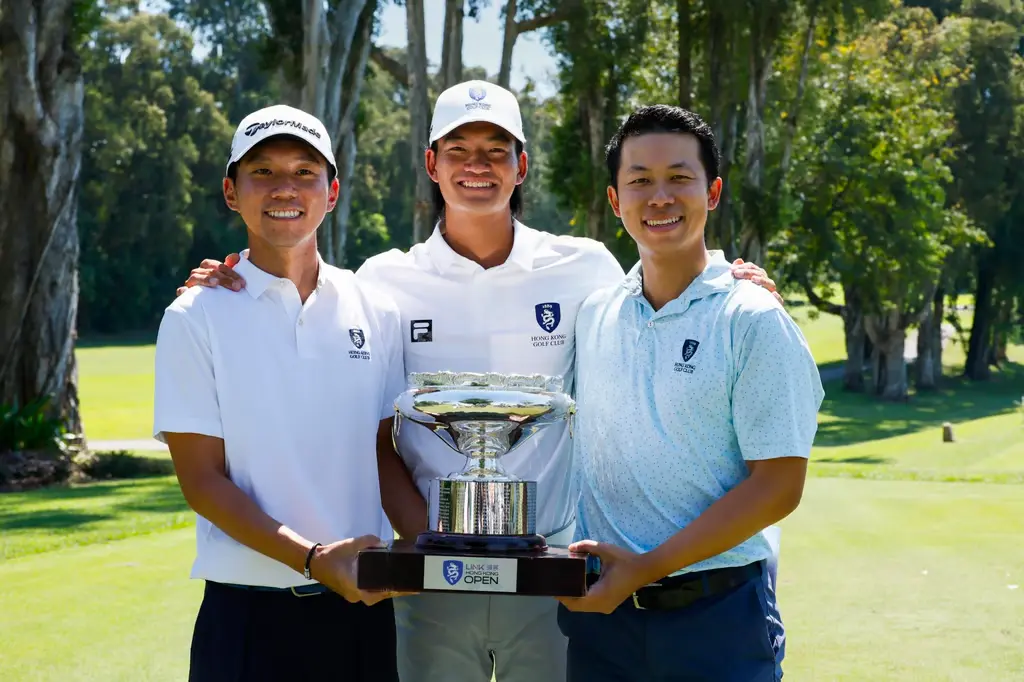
(116, 390)
(879, 580)
(904, 562)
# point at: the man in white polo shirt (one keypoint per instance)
(698, 399)
(485, 293)
(272, 403)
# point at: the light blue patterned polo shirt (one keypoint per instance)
(671, 404)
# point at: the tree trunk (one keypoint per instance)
(419, 117)
(451, 48)
(593, 120)
(41, 125)
(335, 228)
(889, 368)
(929, 345)
(977, 364)
(856, 339)
(508, 44)
(801, 85)
(683, 61)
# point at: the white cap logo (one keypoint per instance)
(465, 103)
(280, 120)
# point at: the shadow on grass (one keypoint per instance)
(54, 520)
(115, 498)
(863, 459)
(858, 418)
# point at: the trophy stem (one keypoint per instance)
(483, 442)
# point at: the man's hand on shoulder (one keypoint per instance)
(756, 274)
(212, 273)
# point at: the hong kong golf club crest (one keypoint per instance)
(357, 336)
(689, 348)
(452, 571)
(548, 316)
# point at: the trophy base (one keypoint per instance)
(405, 566)
(488, 544)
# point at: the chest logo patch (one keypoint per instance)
(689, 349)
(358, 339)
(548, 316)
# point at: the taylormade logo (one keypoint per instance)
(256, 127)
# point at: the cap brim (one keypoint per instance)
(333, 166)
(472, 118)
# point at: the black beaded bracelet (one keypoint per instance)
(309, 558)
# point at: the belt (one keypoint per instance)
(679, 591)
(298, 590)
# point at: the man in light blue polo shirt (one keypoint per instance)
(698, 400)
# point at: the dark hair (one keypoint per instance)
(515, 202)
(662, 118)
(233, 168)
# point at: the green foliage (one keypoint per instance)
(30, 427)
(871, 181)
(155, 143)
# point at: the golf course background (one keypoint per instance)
(905, 560)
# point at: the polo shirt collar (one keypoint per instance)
(715, 278)
(257, 281)
(526, 247)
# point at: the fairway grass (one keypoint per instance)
(878, 580)
(45, 520)
(116, 391)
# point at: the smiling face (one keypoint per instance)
(477, 168)
(282, 191)
(663, 194)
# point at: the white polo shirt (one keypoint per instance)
(297, 392)
(515, 318)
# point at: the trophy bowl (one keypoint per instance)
(483, 417)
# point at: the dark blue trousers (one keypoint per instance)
(735, 636)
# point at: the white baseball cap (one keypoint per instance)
(474, 101)
(276, 121)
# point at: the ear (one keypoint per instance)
(714, 194)
(332, 194)
(430, 163)
(524, 166)
(230, 194)
(613, 199)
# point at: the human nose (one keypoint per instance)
(661, 196)
(285, 189)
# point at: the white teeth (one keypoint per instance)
(284, 214)
(477, 184)
(662, 222)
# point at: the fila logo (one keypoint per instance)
(421, 331)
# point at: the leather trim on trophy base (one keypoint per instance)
(407, 567)
(488, 544)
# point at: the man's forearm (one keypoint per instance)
(217, 499)
(403, 504)
(745, 510)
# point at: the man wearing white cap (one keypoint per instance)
(273, 403)
(484, 293)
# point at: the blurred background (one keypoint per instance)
(873, 158)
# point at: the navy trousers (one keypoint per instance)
(735, 636)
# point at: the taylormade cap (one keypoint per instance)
(474, 101)
(281, 120)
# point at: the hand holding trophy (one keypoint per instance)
(482, 531)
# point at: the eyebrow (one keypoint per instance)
(638, 168)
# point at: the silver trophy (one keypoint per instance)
(484, 417)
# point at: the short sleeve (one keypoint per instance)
(607, 270)
(394, 379)
(185, 396)
(777, 389)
